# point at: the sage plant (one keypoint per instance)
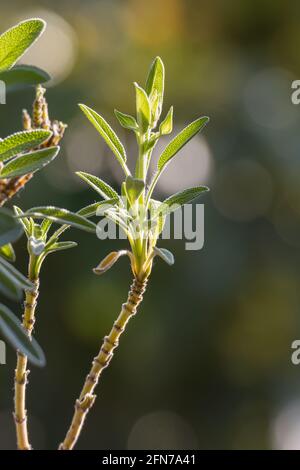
(134, 210)
(22, 154)
(39, 246)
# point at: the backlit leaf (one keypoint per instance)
(16, 40)
(29, 163)
(22, 142)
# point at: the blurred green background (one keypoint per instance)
(207, 362)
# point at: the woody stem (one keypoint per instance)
(21, 372)
(101, 361)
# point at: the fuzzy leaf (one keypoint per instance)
(25, 222)
(165, 254)
(93, 209)
(134, 188)
(179, 199)
(143, 111)
(29, 163)
(166, 125)
(102, 188)
(10, 228)
(106, 132)
(22, 75)
(109, 261)
(13, 331)
(7, 252)
(155, 87)
(61, 216)
(45, 226)
(15, 42)
(22, 142)
(179, 141)
(126, 120)
(161, 218)
(58, 246)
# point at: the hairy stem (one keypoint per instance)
(21, 372)
(101, 361)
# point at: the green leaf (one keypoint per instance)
(15, 42)
(107, 133)
(17, 278)
(27, 226)
(161, 218)
(155, 87)
(22, 75)
(29, 163)
(13, 331)
(58, 246)
(126, 120)
(166, 125)
(143, 111)
(61, 216)
(109, 261)
(165, 254)
(21, 142)
(45, 226)
(179, 141)
(102, 188)
(7, 252)
(10, 228)
(9, 289)
(134, 188)
(177, 200)
(92, 209)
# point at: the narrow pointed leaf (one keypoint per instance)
(59, 246)
(15, 42)
(126, 120)
(109, 261)
(179, 199)
(156, 77)
(166, 125)
(155, 87)
(61, 216)
(93, 209)
(143, 111)
(7, 252)
(23, 75)
(21, 142)
(179, 141)
(24, 221)
(102, 188)
(165, 254)
(10, 227)
(45, 226)
(29, 163)
(106, 132)
(12, 329)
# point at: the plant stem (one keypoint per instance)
(21, 372)
(101, 361)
